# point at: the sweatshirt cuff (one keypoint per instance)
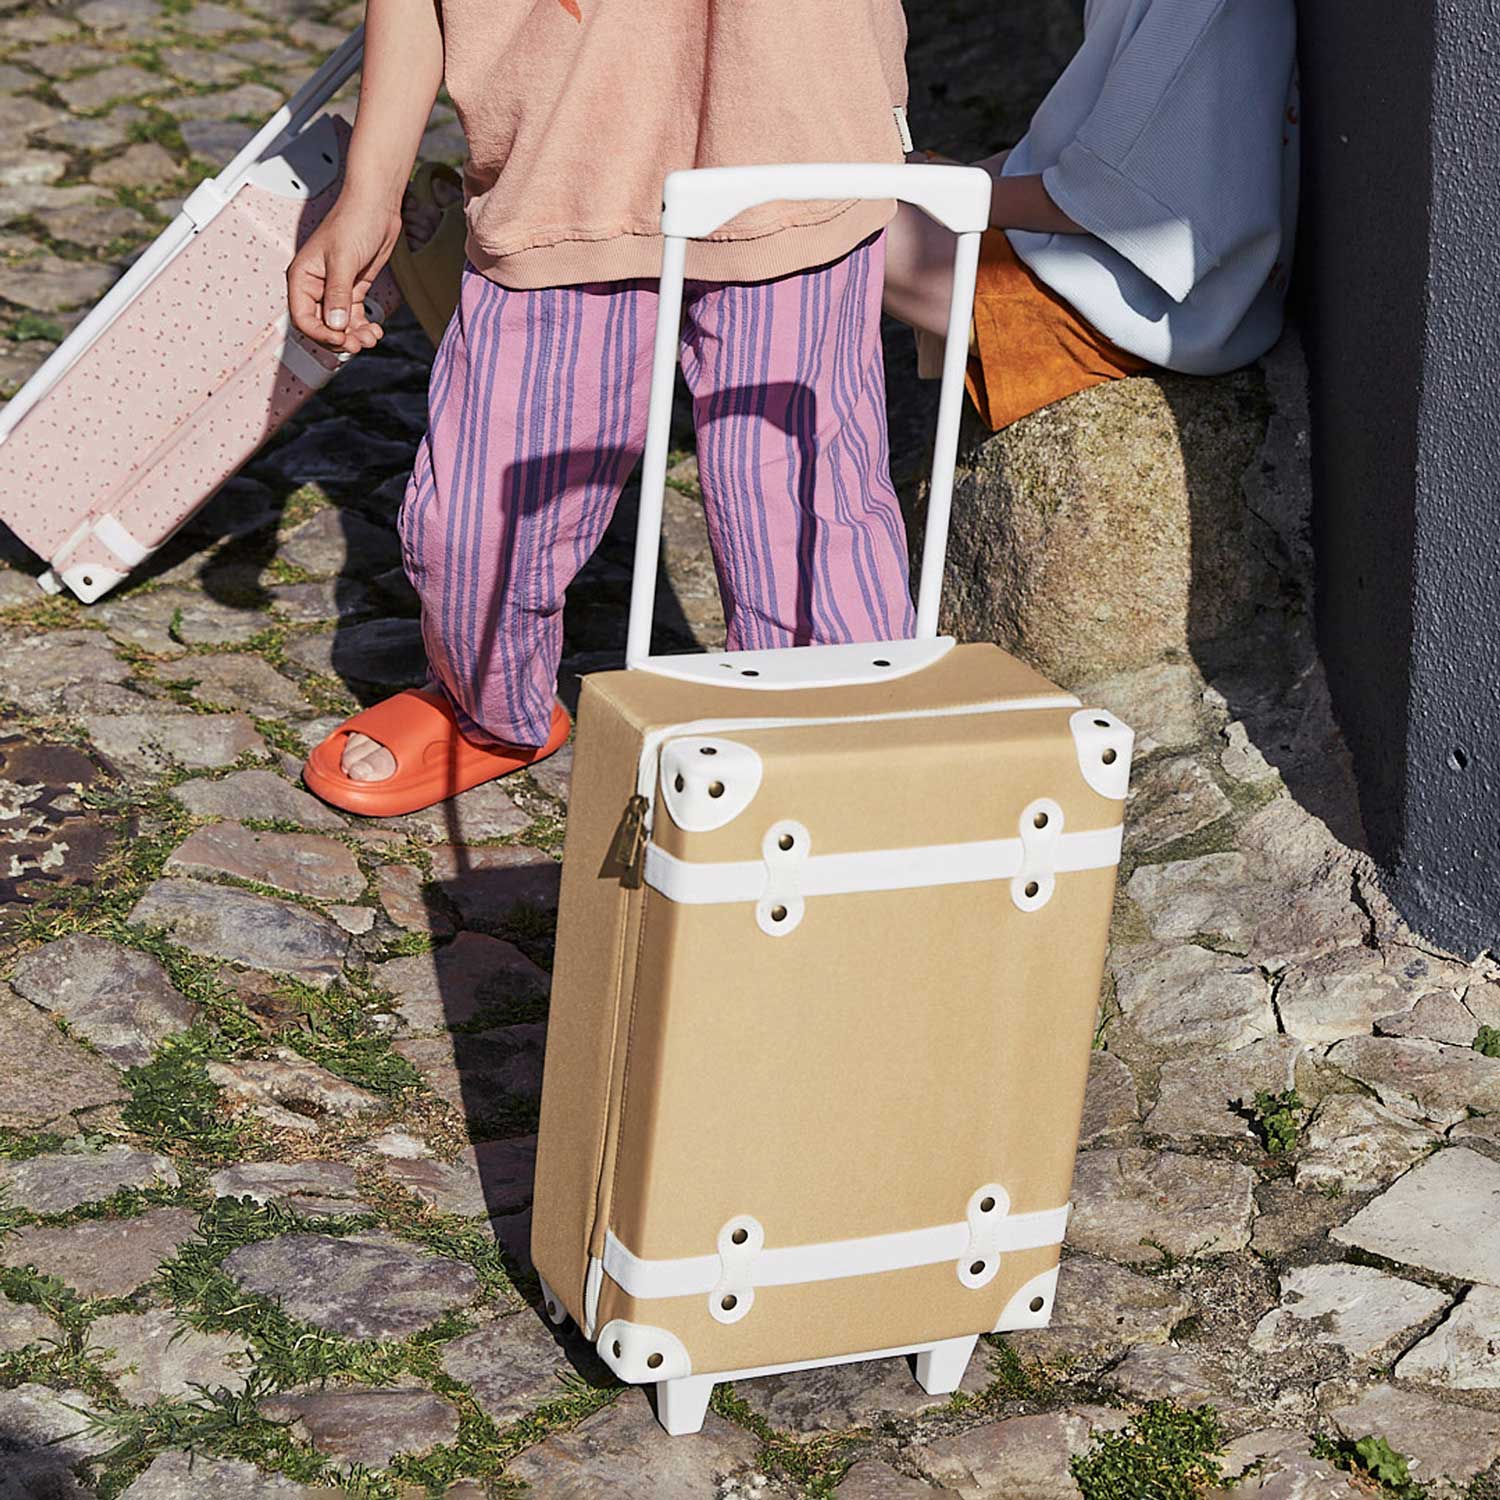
(1154, 238)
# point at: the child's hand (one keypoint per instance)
(327, 281)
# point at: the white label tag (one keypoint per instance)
(903, 128)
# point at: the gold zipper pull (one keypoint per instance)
(630, 843)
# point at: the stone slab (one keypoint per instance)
(1126, 1203)
(493, 1177)
(292, 1093)
(1463, 1352)
(59, 1181)
(449, 986)
(359, 1287)
(1441, 1440)
(120, 999)
(242, 927)
(1442, 1216)
(1422, 1080)
(1353, 1143)
(47, 1078)
(514, 1365)
(1102, 1309)
(1212, 1095)
(621, 1450)
(157, 742)
(1357, 1309)
(305, 864)
(1111, 1109)
(157, 1358)
(102, 1257)
(1021, 1458)
(365, 1426)
(195, 1476)
(1188, 996)
(473, 1071)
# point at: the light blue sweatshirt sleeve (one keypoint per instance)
(1178, 164)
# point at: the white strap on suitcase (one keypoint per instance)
(694, 205)
(198, 210)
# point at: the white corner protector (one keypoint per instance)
(1103, 743)
(1031, 1307)
(89, 581)
(708, 781)
(637, 1352)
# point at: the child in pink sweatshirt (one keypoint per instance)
(574, 111)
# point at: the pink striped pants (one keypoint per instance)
(537, 414)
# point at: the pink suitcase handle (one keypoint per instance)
(698, 202)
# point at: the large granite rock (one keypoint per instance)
(1135, 519)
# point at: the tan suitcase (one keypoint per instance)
(832, 929)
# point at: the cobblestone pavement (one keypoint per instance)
(270, 1073)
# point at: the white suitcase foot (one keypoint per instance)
(682, 1404)
(941, 1368)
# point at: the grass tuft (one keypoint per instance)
(1165, 1453)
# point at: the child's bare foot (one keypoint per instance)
(365, 759)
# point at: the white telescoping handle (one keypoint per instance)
(205, 200)
(695, 204)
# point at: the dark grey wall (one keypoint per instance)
(1399, 273)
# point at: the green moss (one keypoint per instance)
(1487, 1042)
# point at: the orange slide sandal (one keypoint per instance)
(433, 759)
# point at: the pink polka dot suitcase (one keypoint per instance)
(188, 364)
